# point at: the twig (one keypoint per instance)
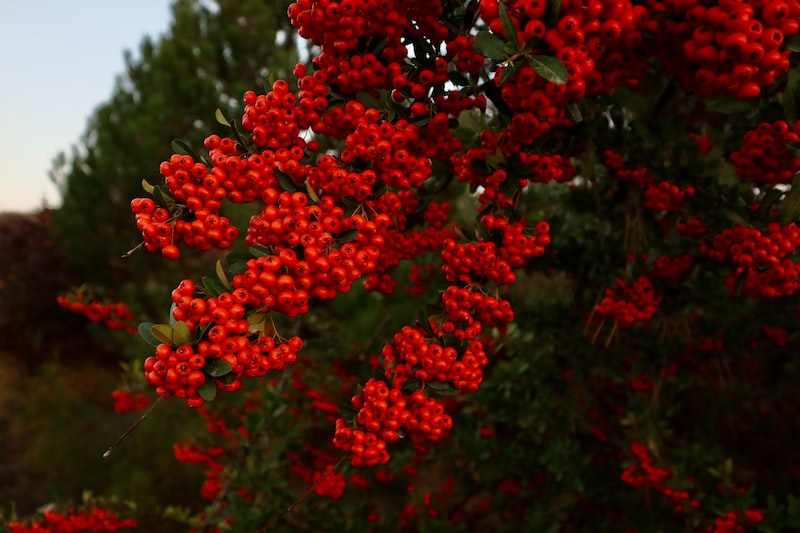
(305, 495)
(133, 426)
(133, 250)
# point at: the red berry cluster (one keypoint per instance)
(660, 196)
(736, 521)
(75, 521)
(384, 413)
(727, 47)
(595, 40)
(759, 257)
(125, 402)
(629, 305)
(226, 336)
(477, 262)
(643, 474)
(671, 269)
(114, 315)
(763, 156)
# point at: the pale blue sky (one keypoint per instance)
(58, 61)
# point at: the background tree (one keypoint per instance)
(211, 54)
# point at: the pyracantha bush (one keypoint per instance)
(592, 203)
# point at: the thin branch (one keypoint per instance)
(133, 426)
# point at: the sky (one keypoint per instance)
(58, 62)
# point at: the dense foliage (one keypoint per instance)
(524, 265)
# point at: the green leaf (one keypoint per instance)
(223, 278)
(792, 43)
(312, 194)
(162, 332)
(286, 183)
(574, 111)
(793, 148)
(181, 333)
(791, 97)
(147, 187)
(213, 286)
(458, 78)
(179, 146)
(346, 236)
(726, 105)
(736, 218)
(440, 388)
(553, 11)
(207, 391)
(790, 207)
(162, 197)
(368, 100)
(217, 367)
(261, 251)
(508, 25)
(146, 333)
(550, 68)
(490, 45)
(220, 116)
(510, 70)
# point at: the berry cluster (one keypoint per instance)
(763, 157)
(726, 47)
(671, 269)
(384, 414)
(114, 315)
(629, 305)
(660, 196)
(761, 268)
(643, 474)
(228, 345)
(75, 521)
(126, 402)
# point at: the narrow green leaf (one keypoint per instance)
(217, 367)
(790, 206)
(368, 100)
(346, 236)
(146, 333)
(179, 146)
(213, 286)
(575, 113)
(207, 391)
(550, 68)
(509, 70)
(220, 116)
(261, 251)
(736, 218)
(440, 388)
(508, 25)
(181, 333)
(162, 332)
(792, 43)
(458, 78)
(286, 183)
(490, 45)
(553, 12)
(147, 187)
(791, 97)
(793, 148)
(162, 197)
(312, 194)
(223, 278)
(726, 105)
